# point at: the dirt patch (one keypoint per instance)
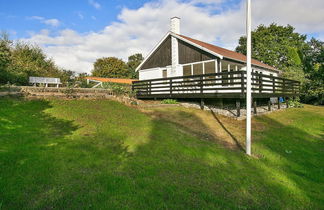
(206, 125)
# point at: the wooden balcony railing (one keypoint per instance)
(216, 83)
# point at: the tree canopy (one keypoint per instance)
(133, 62)
(314, 72)
(21, 60)
(287, 50)
(110, 67)
(278, 46)
(116, 68)
(5, 56)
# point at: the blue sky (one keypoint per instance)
(80, 15)
(74, 33)
(19, 18)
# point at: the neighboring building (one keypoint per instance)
(100, 80)
(179, 55)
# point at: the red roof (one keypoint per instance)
(114, 80)
(227, 53)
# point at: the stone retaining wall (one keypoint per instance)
(52, 92)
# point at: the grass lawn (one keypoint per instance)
(83, 154)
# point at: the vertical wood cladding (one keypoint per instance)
(161, 57)
(190, 54)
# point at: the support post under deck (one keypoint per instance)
(202, 104)
(278, 102)
(238, 108)
(254, 107)
(269, 105)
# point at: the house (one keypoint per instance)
(100, 80)
(179, 55)
(183, 67)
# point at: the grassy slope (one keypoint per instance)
(93, 154)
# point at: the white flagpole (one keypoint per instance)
(248, 77)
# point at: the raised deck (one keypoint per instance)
(216, 85)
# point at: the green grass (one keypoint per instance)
(82, 154)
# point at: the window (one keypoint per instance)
(186, 72)
(164, 73)
(232, 68)
(210, 68)
(225, 76)
(198, 69)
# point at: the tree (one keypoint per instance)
(67, 76)
(21, 60)
(313, 89)
(287, 50)
(110, 67)
(133, 62)
(30, 60)
(5, 53)
(278, 46)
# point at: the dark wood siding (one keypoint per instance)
(190, 54)
(161, 57)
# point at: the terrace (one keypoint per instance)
(230, 84)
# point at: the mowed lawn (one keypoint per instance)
(83, 154)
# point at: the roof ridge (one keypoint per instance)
(236, 56)
(211, 44)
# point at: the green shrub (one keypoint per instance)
(68, 91)
(119, 89)
(169, 101)
(295, 103)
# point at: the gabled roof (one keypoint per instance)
(114, 80)
(212, 49)
(228, 53)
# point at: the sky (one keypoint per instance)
(74, 33)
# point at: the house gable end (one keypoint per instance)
(161, 57)
(189, 53)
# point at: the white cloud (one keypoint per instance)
(138, 30)
(80, 15)
(94, 4)
(306, 17)
(52, 22)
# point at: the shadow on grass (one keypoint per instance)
(227, 131)
(28, 139)
(173, 169)
(197, 174)
(298, 153)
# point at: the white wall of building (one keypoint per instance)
(154, 73)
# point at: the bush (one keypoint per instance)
(169, 101)
(119, 89)
(313, 93)
(295, 103)
(68, 91)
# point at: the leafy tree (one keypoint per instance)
(133, 62)
(67, 76)
(21, 60)
(313, 89)
(29, 60)
(5, 53)
(110, 67)
(278, 46)
(287, 50)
